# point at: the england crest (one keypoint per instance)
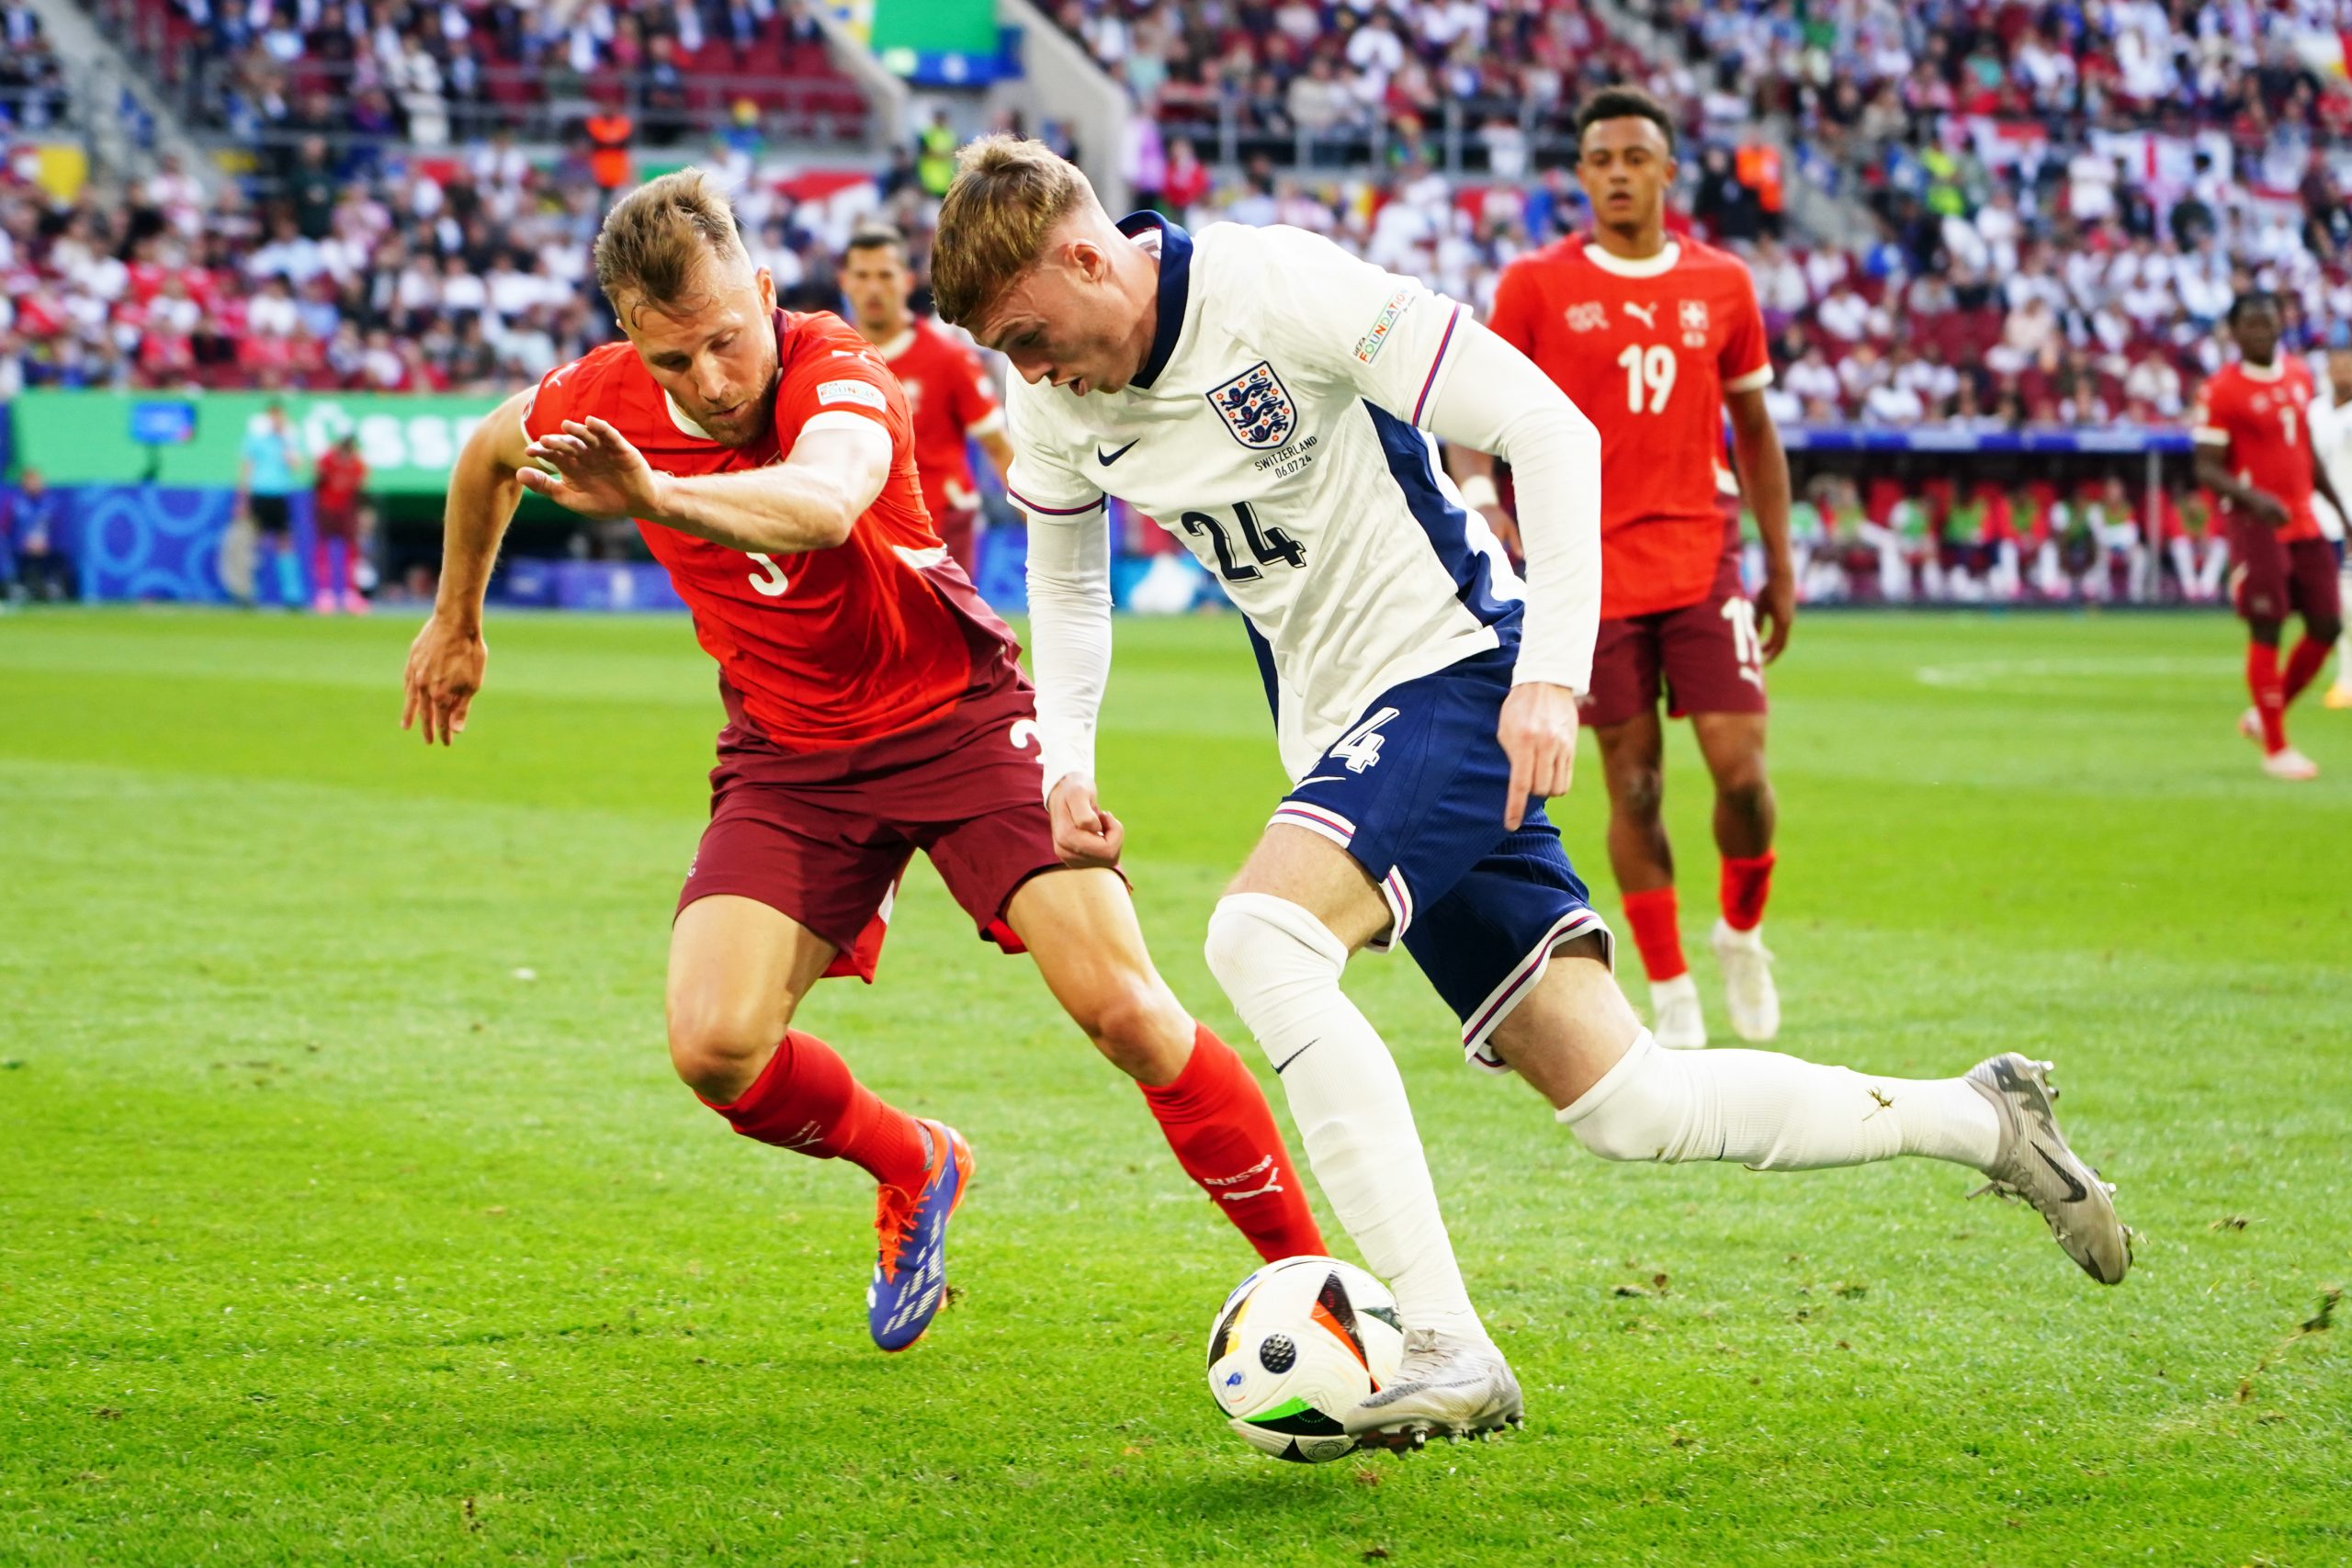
(1256, 407)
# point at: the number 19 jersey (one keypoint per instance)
(1646, 349)
(1275, 429)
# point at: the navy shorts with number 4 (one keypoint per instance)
(1414, 791)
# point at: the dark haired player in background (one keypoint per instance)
(2255, 451)
(946, 388)
(1655, 337)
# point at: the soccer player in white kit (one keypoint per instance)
(1268, 398)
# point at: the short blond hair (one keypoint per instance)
(1009, 193)
(657, 241)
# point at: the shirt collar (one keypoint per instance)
(1175, 287)
(2270, 372)
(1647, 267)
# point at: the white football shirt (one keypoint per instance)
(1276, 429)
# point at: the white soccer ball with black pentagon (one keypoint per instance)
(1297, 1346)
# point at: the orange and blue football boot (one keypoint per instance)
(910, 1271)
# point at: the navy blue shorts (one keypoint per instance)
(1414, 791)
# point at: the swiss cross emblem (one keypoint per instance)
(1256, 407)
(1589, 317)
(1695, 315)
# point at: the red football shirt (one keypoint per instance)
(2262, 420)
(827, 648)
(949, 393)
(1646, 349)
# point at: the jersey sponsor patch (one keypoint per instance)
(1368, 347)
(1256, 407)
(864, 393)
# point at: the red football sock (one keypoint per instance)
(1657, 932)
(2269, 695)
(807, 1102)
(1217, 1120)
(1746, 882)
(2303, 666)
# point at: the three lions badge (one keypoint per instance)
(1256, 407)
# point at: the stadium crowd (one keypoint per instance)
(434, 74)
(2022, 277)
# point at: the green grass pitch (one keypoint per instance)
(349, 1212)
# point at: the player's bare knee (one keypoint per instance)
(1138, 1025)
(713, 1042)
(1743, 787)
(2322, 631)
(1639, 792)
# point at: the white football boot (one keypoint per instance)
(1676, 1019)
(2289, 764)
(1447, 1386)
(1747, 965)
(2034, 1164)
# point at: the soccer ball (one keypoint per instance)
(1297, 1346)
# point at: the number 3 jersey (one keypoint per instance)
(1273, 429)
(1646, 349)
(820, 651)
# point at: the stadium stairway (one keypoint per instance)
(126, 123)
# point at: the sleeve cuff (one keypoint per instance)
(2207, 436)
(988, 423)
(1754, 381)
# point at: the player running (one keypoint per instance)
(946, 388)
(1265, 397)
(1655, 338)
(875, 706)
(2255, 452)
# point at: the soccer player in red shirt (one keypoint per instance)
(875, 706)
(946, 388)
(2254, 453)
(1655, 337)
(334, 519)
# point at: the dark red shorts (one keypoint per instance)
(2271, 579)
(828, 853)
(959, 531)
(1706, 657)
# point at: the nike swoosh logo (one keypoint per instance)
(1295, 1056)
(2074, 1191)
(1107, 458)
(1320, 778)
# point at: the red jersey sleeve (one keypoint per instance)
(2209, 421)
(975, 403)
(826, 389)
(1516, 306)
(1746, 361)
(564, 392)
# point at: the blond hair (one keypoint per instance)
(1009, 193)
(656, 239)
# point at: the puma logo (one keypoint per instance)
(1647, 313)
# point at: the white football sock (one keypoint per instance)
(1280, 966)
(1774, 1112)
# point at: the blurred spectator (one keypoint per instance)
(336, 498)
(33, 562)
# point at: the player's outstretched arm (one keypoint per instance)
(446, 660)
(1764, 480)
(808, 502)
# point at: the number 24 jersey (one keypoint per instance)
(1276, 430)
